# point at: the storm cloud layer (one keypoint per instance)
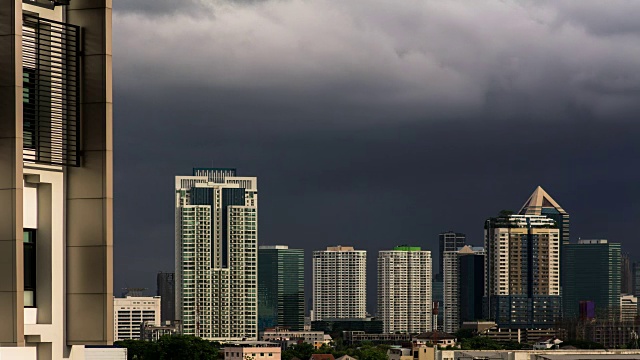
(375, 122)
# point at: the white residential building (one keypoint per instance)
(339, 283)
(216, 239)
(628, 307)
(56, 179)
(404, 289)
(130, 312)
(451, 285)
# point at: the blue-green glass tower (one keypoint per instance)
(280, 287)
(591, 273)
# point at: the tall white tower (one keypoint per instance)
(339, 283)
(216, 238)
(404, 289)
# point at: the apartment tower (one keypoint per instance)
(522, 271)
(280, 287)
(448, 241)
(56, 188)
(216, 265)
(339, 283)
(463, 286)
(404, 290)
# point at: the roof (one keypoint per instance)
(346, 357)
(430, 335)
(322, 357)
(539, 200)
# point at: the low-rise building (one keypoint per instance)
(628, 307)
(435, 337)
(316, 338)
(538, 354)
(152, 332)
(355, 337)
(254, 350)
(132, 311)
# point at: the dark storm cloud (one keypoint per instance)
(375, 123)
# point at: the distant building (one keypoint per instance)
(463, 279)
(254, 350)
(437, 291)
(435, 338)
(356, 337)
(368, 325)
(522, 271)
(131, 312)
(628, 307)
(316, 338)
(626, 274)
(404, 289)
(591, 270)
(280, 287)
(339, 283)
(153, 332)
(636, 278)
(587, 310)
(166, 289)
(448, 241)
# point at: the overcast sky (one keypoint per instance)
(375, 123)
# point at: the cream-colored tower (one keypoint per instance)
(56, 190)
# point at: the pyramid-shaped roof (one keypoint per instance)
(538, 201)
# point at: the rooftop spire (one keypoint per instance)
(539, 200)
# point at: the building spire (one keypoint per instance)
(539, 200)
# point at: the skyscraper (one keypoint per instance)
(216, 238)
(404, 289)
(280, 287)
(463, 280)
(56, 179)
(636, 278)
(448, 241)
(166, 289)
(541, 203)
(339, 283)
(592, 273)
(522, 271)
(626, 274)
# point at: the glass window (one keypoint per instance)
(29, 241)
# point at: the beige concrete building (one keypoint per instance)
(56, 189)
(132, 312)
(254, 350)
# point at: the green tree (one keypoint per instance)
(175, 347)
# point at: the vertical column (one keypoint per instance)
(11, 261)
(90, 186)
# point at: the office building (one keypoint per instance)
(216, 238)
(522, 271)
(626, 274)
(56, 183)
(463, 286)
(404, 289)
(628, 307)
(280, 287)
(166, 290)
(132, 312)
(448, 241)
(592, 273)
(339, 283)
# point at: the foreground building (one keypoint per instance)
(404, 289)
(522, 271)
(216, 238)
(132, 312)
(592, 273)
(463, 286)
(339, 283)
(56, 185)
(280, 287)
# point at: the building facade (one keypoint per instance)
(131, 312)
(522, 270)
(628, 308)
(448, 241)
(339, 283)
(216, 238)
(166, 290)
(254, 350)
(592, 273)
(404, 289)
(56, 185)
(280, 287)
(463, 286)
(626, 274)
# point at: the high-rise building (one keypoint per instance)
(339, 283)
(541, 203)
(437, 292)
(404, 289)
(522, 269)
(463, 281)
(636, 278)
(628, 307)
(280, 287)
(56, 180)
(131, 312)
(166, 289)
(626, 274)
(448, 241)
(592, 273)
(216, 239)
